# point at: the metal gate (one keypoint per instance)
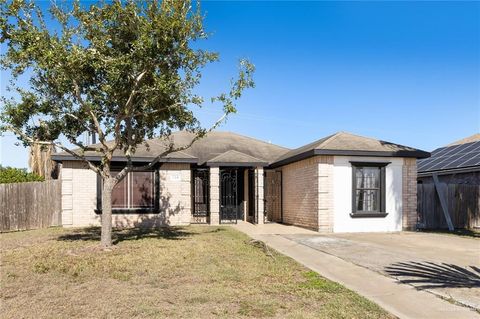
(201, 198)
(229, 208)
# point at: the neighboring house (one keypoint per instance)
(225, 177)
(453, 173)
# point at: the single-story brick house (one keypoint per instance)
(340, 183)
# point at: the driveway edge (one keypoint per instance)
(401, 300)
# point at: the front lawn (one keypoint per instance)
(188, 272)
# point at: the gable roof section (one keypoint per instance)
(236, 158)
(218, 142)
(207, 148)
(343, 143)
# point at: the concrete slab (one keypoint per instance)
(402, 300)
(444, 265)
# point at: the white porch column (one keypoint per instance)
(259, 193)
(214, 196)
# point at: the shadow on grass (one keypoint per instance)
(119, 235)
(427, 275)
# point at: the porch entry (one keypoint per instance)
(237, 195)
(231, 195)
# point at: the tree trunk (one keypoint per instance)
(106, 237)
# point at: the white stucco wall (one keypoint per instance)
(342, 186)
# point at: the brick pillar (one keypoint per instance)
(325, 194)
(214, 196)
(259, 192)
(67, 193)
(245, 191)
(409, 194)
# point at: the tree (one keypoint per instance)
(40, 161)
(123, 70)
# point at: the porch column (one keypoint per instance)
(259, 203)
(214, 196)
(245, 199)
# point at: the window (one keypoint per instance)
(136, 192)
(368, 197)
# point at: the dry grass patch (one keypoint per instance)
(199, 272)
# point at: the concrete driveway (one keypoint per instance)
(411, 275)
(446, 265)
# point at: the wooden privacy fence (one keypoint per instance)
(30, 205)
(463, 202)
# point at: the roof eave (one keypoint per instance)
(240, 164)
(137, 159)
(314, 152)
(415, 154)
(292, 159)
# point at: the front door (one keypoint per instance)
(229, 195)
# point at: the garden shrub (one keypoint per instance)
(17, 175)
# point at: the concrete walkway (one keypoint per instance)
(401, 300)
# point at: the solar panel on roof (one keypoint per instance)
(455, 156)
(470, 147)
(434, 161)
(446, 161)
(471, 162)
(464, 158)
(438, 151)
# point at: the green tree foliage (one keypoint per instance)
(17, 175)
(124, 70)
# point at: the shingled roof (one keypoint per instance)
(237, 158)
(217, 143)
(223, 148)
(215, 147)
(344, 143)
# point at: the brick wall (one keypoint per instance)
(325, 193)
(409, 194)
(79, 198)
(175, 190)
(307, 193)
(79, 195)
(67, 192)
(259, 195)
(214, 195)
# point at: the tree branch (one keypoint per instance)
(134, 90)
(80, 157)
(171, 149)
(76, 118)
(158, 110)
(120, 116)
(101, 136)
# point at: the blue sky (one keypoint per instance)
(405, 72)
